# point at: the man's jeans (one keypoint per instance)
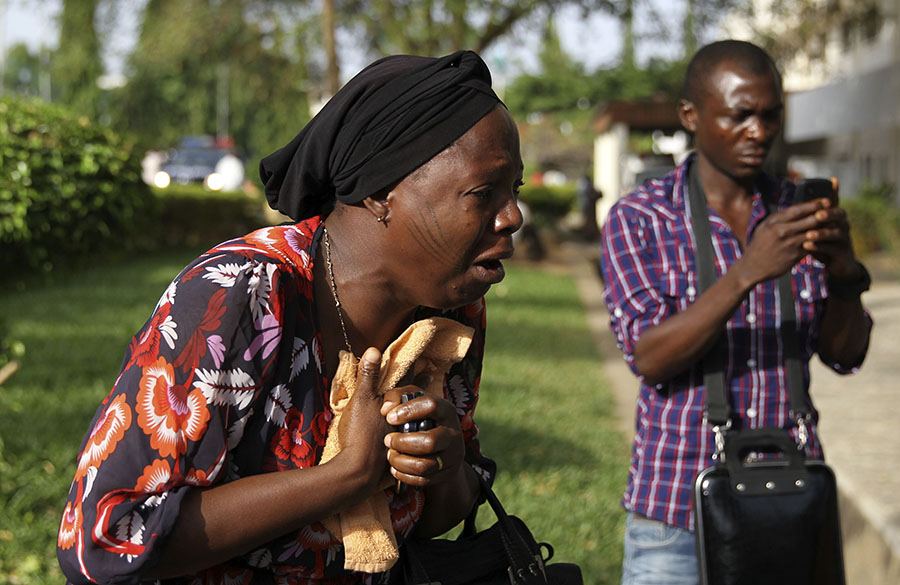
(658, 554)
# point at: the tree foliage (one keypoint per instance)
(789, 27)
(435, 27)
(557, 86)
(563, 85)
(699, 17)
(230, 67)
(76, 64)
(21, 71)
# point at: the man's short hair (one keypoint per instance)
(750, 58)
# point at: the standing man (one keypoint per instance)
(733, 105)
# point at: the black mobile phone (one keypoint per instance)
(414, 426)
(809, 189)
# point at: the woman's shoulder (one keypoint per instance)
(291, 245)
(287, 248)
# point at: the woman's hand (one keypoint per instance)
(423, 458)
(432, 459)
(363, 426)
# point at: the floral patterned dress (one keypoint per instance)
(226, 380)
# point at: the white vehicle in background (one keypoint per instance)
(202, 159)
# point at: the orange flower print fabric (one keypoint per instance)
(225, 380)
(70, 527)
(167, 411)
(103, 439)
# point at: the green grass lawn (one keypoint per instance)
(75, 331)
(545, 415)
(545, 410)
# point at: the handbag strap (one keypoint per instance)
(488, 495)
(717, 407)
(526, 566)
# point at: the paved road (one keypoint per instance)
(860, 415)
(859, 429)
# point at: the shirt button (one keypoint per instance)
(617, 312)
(751, 318)
(804, 294)
(751, 412)
(691, 291)
(751, 363)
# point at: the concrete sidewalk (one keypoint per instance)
(857, 428)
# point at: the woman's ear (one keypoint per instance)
(379, 206)
(687, 114)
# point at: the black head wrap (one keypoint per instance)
(390, 119)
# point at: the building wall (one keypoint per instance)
(609, 151)
(858, 160)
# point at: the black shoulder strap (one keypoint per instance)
(717, 406)
(718, 411)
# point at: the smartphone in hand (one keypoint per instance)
(809, 189)
(414, 426)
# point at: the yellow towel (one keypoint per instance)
(430, 347)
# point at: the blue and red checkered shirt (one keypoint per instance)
(649, 273)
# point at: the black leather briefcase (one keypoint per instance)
(769, 520)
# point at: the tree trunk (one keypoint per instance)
(690, 37)
(628, 35)
(333, 71)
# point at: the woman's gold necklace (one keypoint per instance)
(334, 293)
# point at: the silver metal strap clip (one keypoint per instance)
(720, 431)
(520, 576)
(803, 432)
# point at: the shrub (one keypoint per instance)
(67, 187)
(548, 204)
(189, 215)
(874, 220)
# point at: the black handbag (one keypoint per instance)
(764, 513)
(504, 554)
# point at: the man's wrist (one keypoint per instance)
(845, 268)
(849, 288)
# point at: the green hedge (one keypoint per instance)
(192, 216)
(548, 204)
(874, 221)
(68, 188)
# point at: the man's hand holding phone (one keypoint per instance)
(812, 189)
(819, 197)
(829, 242)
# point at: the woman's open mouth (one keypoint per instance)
(490, 271)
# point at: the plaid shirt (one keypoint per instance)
(649, 273)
